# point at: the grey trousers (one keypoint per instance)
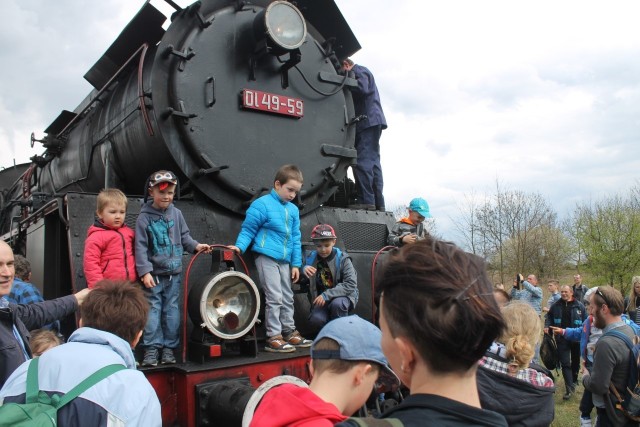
(275, 278)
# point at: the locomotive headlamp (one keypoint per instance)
(227, 304)
(283, 24)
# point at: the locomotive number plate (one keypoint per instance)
(272, 103)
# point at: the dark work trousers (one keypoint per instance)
(575, 360)
(586, 403)
(564, 354)
(337, 307)
(368, 171)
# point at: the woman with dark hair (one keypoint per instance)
(438, 316)
(508, 382)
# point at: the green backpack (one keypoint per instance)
(39, 408)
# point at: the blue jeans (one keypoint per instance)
(275, 278)
(368, 171)
(337, 307)
(163, 324)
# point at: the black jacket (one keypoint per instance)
(26, 318)
(554, 316)
(523, 404)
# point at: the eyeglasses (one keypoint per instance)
(164, 175)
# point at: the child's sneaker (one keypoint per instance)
(585, 422)
(150, 357)
(167, 356)
(297, 340)
(278, 345)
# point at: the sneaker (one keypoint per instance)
(585, 422)
(150, 357)
(297, 340)
(167, 356)
(278, 345)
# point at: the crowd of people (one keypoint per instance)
(460, 346)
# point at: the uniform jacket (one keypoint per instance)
(403, 228)
(293, 406)
(108, 254)
(26, 318)
(554, 315)
(273, 228)
(344, 276)
(161, 239)
(366, 100)
(123, 398)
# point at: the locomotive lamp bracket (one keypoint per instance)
(185, 55)
(181, 113)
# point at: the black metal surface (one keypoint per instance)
(145, 27)
(60, 122)
(221, 403)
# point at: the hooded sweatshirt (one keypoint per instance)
(161, 238)
(293, 406)
(108, 254)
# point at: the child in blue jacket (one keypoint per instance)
(272, 229)
(334, 281)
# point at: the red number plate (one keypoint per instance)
(272, 103)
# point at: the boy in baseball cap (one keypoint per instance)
(346, 360)
(333, 280)
(411, 228)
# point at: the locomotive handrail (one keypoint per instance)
(373, 268)
(142, 49)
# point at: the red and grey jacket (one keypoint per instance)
(108, 254)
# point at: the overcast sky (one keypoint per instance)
(541, 95)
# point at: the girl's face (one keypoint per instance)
(636, 288)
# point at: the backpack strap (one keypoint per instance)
(375, 422)
(89, 382)
(33, 388)
(621, 336)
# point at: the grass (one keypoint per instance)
(567, 411)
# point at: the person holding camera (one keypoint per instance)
(527, 291)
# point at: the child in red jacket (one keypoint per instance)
(108, 250)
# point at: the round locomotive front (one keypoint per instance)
(233, 102)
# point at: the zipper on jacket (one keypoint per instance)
(124, 251)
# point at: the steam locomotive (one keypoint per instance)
(229, 92)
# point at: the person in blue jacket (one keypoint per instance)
(334, 281)
(272, 229)
(113, 316)
(369, 127)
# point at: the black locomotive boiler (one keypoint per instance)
(229, 92)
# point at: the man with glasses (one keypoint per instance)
(611, 356)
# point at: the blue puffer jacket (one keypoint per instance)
(273, 227)
(366, 99)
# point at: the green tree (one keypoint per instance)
(608, 231)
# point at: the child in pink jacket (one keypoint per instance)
(108, 250)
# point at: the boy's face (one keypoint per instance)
(369, 376)
(324, 247)
(415, 217)
(288, 190)
(113, 214)
(162, 198)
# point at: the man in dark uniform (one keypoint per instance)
(368, 171)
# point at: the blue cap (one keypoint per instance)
(358, 339)
(421, 206)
